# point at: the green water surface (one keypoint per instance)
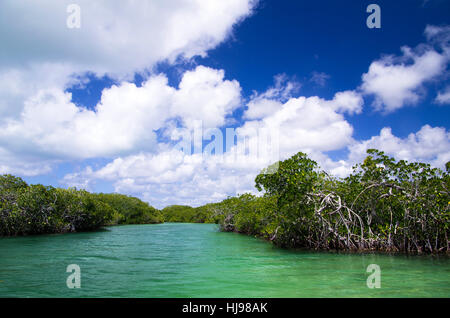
(196, 260)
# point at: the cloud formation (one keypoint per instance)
(118, 37)
(443, 97)
(397, 81)
(319, 78)
(125, 119)
(429, 144)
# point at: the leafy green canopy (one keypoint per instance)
(36, 209)
(187, 214)
(130, 210)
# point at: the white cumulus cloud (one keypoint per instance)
(397, 81)
(443, 97)
(125, 119)
(116, 36)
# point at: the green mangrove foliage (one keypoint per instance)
(130, 210)
(383, 205)
(187, 214)
(37, 209)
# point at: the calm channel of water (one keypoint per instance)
(196, 260)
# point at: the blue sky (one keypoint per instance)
(301, 37)
(321, 48)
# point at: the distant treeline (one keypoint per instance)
(383, 205)
(37, 209)
(187, 214)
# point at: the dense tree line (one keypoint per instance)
(37, 209)
(187, 214)
(130, 210)
(384, 205)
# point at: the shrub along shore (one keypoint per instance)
(383, 205)
(37, 209)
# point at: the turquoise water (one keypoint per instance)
(196, 260)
